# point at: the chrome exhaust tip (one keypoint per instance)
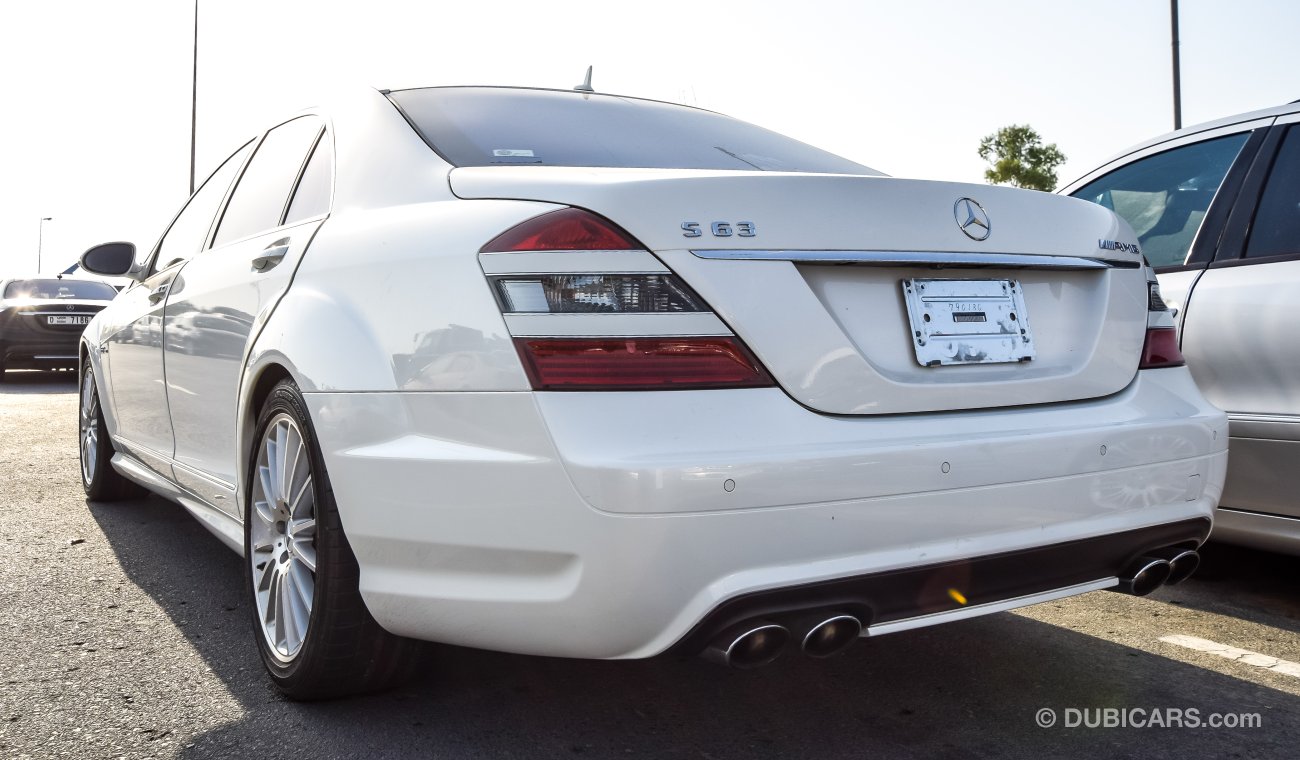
(1145, 575)
(831, 636)
(1182, 563)
(748, 645)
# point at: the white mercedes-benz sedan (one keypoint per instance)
(570, 374)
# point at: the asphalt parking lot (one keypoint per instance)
(124, 634)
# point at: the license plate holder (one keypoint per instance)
(968, 322)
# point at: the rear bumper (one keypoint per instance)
(611, 525)
(896, 600)
(20, 349)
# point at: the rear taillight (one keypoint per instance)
(592, 279)
(569, 229)
(626, 363)
(1161, 349)
(1161, 346)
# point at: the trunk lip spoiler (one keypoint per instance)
(921, 258)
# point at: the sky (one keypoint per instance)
(95, 122)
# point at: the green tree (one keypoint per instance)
(1019, 158)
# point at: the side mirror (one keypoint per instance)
(109, 259)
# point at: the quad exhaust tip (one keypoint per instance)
(748, 645)
(1182, 563)
(831, 636)
(1145, 575)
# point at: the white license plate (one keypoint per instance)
(968, 322)
(71, 319)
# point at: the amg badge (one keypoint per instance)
(1115, 245)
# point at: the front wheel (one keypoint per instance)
(100, 481)
(315, 635)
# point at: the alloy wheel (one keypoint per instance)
(283, 537)
(89, 427)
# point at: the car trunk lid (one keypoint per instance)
(864, 295)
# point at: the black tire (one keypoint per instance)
(344, 651)
(100, 481)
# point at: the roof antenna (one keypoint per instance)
(586, 83)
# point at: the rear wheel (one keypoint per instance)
(315, 635)
(100, 481)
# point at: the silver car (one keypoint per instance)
(1216, 208)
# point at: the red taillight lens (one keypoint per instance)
(569, 229)
(639, 364)
(1161, 349)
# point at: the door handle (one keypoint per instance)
(271, 255)
(158, 293)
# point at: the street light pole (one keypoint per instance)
(1178, 95)
(194, 94)
(40, 240)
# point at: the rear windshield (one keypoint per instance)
(485, 126)
(55, 289)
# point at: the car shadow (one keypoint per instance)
(18, 381)
(1237, 581)
(968, 689)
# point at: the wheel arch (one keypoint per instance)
(259, 380)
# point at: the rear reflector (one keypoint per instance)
(639, 364)
(569, 229)
(1154, 301)
(596, 294)
(1161, 349)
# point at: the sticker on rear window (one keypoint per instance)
(512, 153)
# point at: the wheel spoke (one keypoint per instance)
(267, 472)
(293, 456)
(262, 545)
(295, 614)
(303, 501)
(266, 592)
(305, 587)
(265, 514)
(281, 616)
(281, 462)
(306, 550)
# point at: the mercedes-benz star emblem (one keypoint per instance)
(972, 218)
(71, 307)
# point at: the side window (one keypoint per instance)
(312, 198)
(1276, 229)
(190, 229)
(1164, 197)
(259, 199)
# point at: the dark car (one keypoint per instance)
(41, 319)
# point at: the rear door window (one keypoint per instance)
(1276, 229)
(1164, 197)
(312, 196)
(258, 203)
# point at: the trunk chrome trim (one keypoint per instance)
(922, 258)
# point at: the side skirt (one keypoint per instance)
(221, 525)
